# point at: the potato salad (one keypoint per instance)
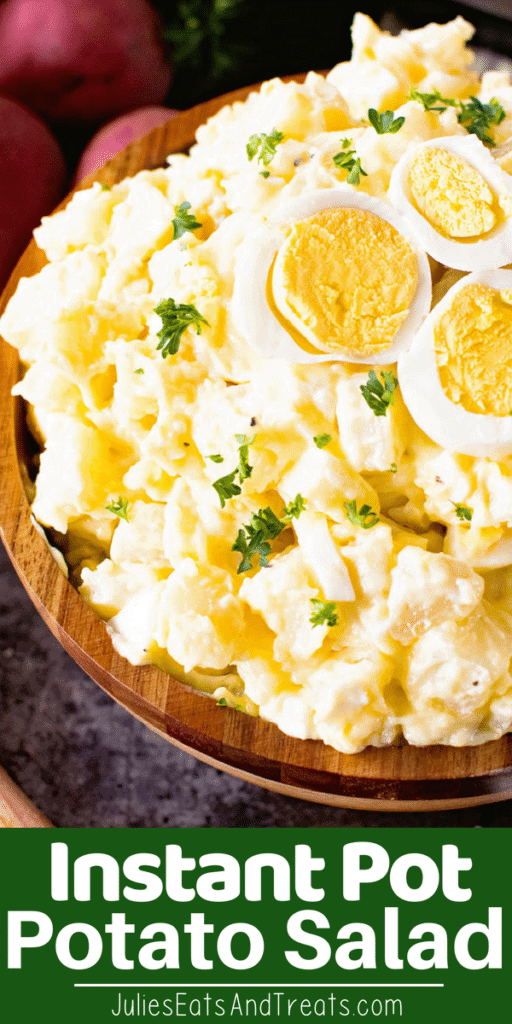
(271, 384)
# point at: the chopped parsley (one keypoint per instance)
(175, 320)
(463, 512)
(184, 221)
(263, 527)
(366, 517)
(222, 703)
(430, 99)
(385, 122)
(294, 508)
(477, 117)
(379, 396)
(140, 370)
(105, 188)
(244, 469)
(393, 467)
(324, 612)
(254, 538)
(346, 160)
(265, 174)
(321, 440)
(119, 508)
(226, 487)
(266, 144)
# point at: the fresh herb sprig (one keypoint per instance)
(346, 160)
(244, 469)
(322, 440)
(294, 508)
(264, 526)
(183, 221)
(476, 117)
(226, 487)
(379, 396)
(265, 146)
(324, 613)
(119, 507)
(386, 122)
(175, 320)
(365, 517)
(432, 101)
(463, 512)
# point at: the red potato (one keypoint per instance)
(85, 61)
(117, 134)
(32, 175)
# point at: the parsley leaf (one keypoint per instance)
(321, 440)
(378, 396)
(385, 122)
(222, 703)
(140, 370)
(265, 174)
(294, 508)
(323, 612)
(119, 508)
(264, 526)
(429, 99)
(184, 221)
(266, 144)
(346, 160)
(393, 467)
(365, 517)
(175, 320)
(476, 117)
(226, 487)
(244, 469)
(463, 512)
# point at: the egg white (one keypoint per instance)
(444, 421)
(252, 313)
(493, 250)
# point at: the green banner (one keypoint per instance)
(255, 924)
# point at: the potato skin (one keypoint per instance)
(115, 135)
(32, 177)
(82, 61)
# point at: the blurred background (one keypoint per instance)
(77, 83)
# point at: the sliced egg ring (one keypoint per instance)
(256, 314)
(493, 248)
(448, 423)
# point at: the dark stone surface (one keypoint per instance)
(87, 763)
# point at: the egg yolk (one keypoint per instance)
(345, 280)
(452, 194)
(473, 346)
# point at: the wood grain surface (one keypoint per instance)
(393, 778)
(16, 810)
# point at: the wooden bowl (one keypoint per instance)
(400, 778)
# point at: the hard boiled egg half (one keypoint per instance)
(332, 275)
(456, 378)
(457, 201)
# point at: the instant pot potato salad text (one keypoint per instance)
(270, 457)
